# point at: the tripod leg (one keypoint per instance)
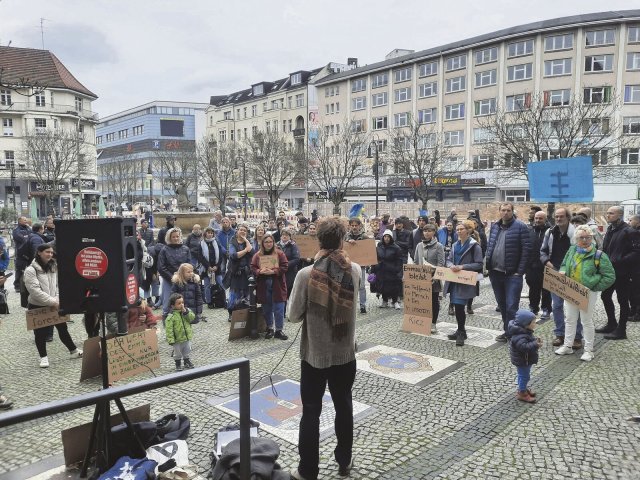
(92, 440)
(125, 417)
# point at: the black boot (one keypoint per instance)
(608, 328)
(460, 339)
(454, 335)
(187, 363)
(179, 365)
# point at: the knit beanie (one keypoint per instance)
(524, 318)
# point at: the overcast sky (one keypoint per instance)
(130, 52)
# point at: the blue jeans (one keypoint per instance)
(273, 310)
(558, 318)
(165, 293)
(507, 290)
(524, 374)
(207, 290)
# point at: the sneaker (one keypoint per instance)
(470, 311)
(187, 363)
(525, 397)
(344, 471)
(606, 329)
(49, 339)
(269, 334)
(502, 338)
(546, 315)
(77, 353)
(434, 330)
(397, 306)
(587, 356)
(281, 335)
(454, 335)
(617, 335)
(5, 403)
(384, 304)
(564, 350)
(44, 362)
(363, 309)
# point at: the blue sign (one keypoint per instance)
(561, 180)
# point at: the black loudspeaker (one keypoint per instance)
(97, 265)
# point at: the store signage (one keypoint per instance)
(457, 181)
(86, 183)
(49, 187)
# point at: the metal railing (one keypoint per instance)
(53, 109)
(93, 398)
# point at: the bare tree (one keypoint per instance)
(52, 156)
(218, 166)
(336, 159)
(180, 166)
(119, 174)
(273, 164)
(22, 86)
(419, 152)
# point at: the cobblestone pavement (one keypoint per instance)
(462, 422)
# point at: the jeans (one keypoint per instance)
(586, 317)
(524, 374)
(313, 382)
(507, 290)
(558, 318)
(621, 287)
(272, 309)
(165, 294)
(537, 293)
(363, 287)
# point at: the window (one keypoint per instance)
(337, 107)
(254, 110)
(597, 95)
(359, 126)
(227, 115)
(274, 104)
(428, 89)
(631, 125)
(558, 42)
(484, 107)
(402, 74)
(52, 99)
(427, 140)
(486, 55)
(358, 85)
(296, 79)
(110, 137)
(254, 130)
(172, 128)
(359, 103)
(559, 66)
(598, 157)
(481, 135)
(456, 63)
(78, 102)
(598, 63)
(402, 143)
(9, 155)
(596, 38)
(300, 100)
(265, 107)
(379, 99)
(7, 127)
(99, 140)
(5, 97)
(515, 161)
(380, 80)
(631, 93)
(40, 101)
(232, 132)
(633, 61)
(516, 195)
(482, 162)
(402, 94)
(630, 156)
(41, 122)
(520, 49)
(401, 119)
(455, 137)
(258, 89)
(290, 123)
(557, 98)
(595, 126)
(222, 135)
(454, 112)
(518, 102)
(452, 164)
(244, 112)
(380, 123)
(633, 35)
(486, 78)
(326, 107)
(428, 69)
(455, 84)
(427, 115)
(520, 72)
(123, 133)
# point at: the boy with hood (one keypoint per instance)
(523, 349)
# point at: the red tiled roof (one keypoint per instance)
(40, 67)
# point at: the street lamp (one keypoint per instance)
(12, 166)
(240, 159)
(376, 169)
(150, 178)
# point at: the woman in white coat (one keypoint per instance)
(41, 281)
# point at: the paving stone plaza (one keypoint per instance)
(424, 407)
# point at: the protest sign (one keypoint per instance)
(308, 246)
(240, 328)
(463, 276)
(44, 317)
(132, 354)
(91, 361)
(417, 286)
(567, 288)
(363, 252)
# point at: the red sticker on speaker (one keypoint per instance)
(131, 289)
(91, 263)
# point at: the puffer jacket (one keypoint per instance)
(517, 246)
(622, 244)
(403, 239)
(433, 253)
(193, 244)
(389, 268)
(42, 286)
(589, 276)
(523, 347)
(178, 326)
(470, 260)
(170, 258)
(191, 291)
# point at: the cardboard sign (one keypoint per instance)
(44, 317)
(463, 276)
(363, 252)
(308, 246)
(417, 288)
(268, 261)
(566, 287)
(132, 354)
(240, 328)
(91, 359)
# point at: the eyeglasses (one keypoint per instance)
(585, 238)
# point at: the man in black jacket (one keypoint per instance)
(402, 238)
(20, 237)
(146, 233)
(634, 222)
(535, 270)
(622, 244)
(417, 235)
(171, 220)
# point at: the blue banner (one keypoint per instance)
(561, 180)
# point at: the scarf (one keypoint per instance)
(331, 290)
(204, 246)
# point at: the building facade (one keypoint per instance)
(40, 99)
(451, 87)
(131, 145)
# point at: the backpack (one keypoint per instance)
(596, 260)
(24, 251)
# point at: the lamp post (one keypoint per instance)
(12, 166)
(244, 189)
(150, 178)
(376, 170)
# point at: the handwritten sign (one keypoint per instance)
(417, 299)
(308, 246)
(240, 326)
(132, 354)
(268, 261)
(363, 252)
(44, 317)
(463, 276)
(566, 287)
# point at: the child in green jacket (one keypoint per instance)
(178, 330)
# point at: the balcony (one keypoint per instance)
(23, 107)
(298, 132)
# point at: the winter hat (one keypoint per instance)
(388, 232)
(524, 318)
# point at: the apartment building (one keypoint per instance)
(38, 94)
(451, 87)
